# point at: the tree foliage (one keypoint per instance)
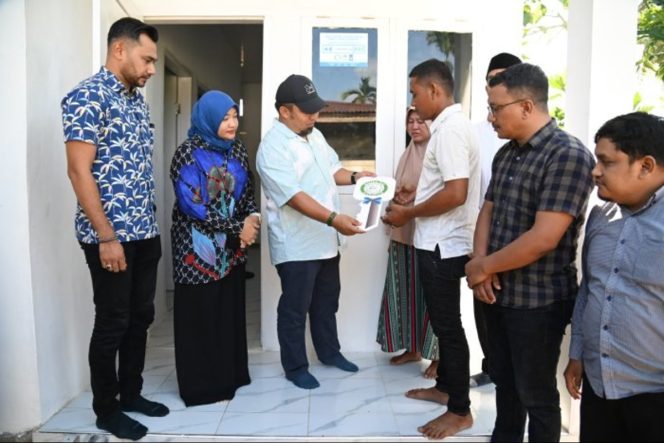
(444, 41)
(537, 19)
(650, 34)
(364, 93)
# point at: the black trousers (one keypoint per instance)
(482, 335)
(441, 283)
(124, 309)
(524, 347)
(636, 418)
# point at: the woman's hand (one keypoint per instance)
(249, 234)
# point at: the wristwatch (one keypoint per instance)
(352, 177)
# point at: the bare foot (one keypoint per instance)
(432, 370)
(429, 394)
(446, 425)
(405, 358)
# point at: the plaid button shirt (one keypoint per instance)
(552, 172)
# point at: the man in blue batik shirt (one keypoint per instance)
(109, 143)
(617, 345)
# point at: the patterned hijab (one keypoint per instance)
(209, 111)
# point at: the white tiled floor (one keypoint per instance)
(365, 406)
(369, 403)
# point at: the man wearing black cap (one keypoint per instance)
(299, 173)
(489, 145)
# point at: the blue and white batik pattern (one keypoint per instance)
(102, 112)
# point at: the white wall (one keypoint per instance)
(61, 288)
(601, 57)
(19, 388)
(601, 82)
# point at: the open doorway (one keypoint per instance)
(199, 58)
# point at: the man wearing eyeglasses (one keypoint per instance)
(524, 251)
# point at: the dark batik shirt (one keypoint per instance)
(552, 172)
(214, 194)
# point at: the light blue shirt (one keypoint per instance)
(288, 164)
(618, 321)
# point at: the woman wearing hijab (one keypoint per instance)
(404, 322)
(214, 220)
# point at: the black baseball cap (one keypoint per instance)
(299, 90)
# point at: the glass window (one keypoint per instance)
(344, 71)
(450, 47)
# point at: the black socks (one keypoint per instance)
(144, 406)
(122, 426)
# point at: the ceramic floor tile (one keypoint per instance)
(168, 384)
(72, 420)
(181, 422)
(349, 396)
(266, 370)
(401, 404)
(153, 383)
(414, 370)
(366, 363)
(400, 385)
(263, 357)
(159, 361)
(349, 424)
(271, 424)
(173, 401)
(270, 395)
(83, 400)
(409, 422)
(161, 341)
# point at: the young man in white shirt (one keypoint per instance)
(445, 211)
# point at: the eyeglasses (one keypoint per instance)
(494, 109)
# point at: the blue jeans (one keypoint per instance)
(441, 284)
(311, 287)
(124, 310)
(524, 348)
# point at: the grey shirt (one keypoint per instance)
(618, 321)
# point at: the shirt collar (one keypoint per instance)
(447, 112)
(542, 136)
(654, 199)
(285, 131)
(113, 82)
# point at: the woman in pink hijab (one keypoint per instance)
(404, 322)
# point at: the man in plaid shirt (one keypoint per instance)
(524, 251)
